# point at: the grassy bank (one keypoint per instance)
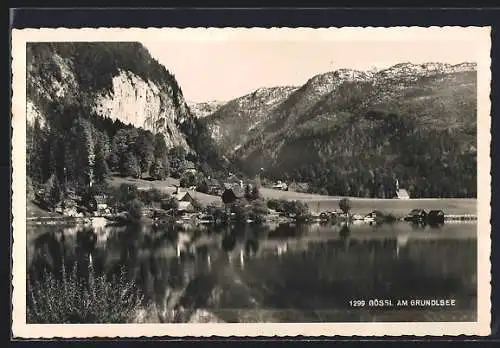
(167, 186)
(398, 207)
(33, 211)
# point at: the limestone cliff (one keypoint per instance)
(144, 104)
(115, 80)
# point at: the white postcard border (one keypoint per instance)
(23, 330)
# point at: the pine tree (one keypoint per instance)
(157, 170)
(248, 192)
(145, 150)
(86, 147)
(35, 152)
(102, 152)
(52, 192)
(130, 166)
(160, 167)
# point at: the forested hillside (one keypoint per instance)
(416, 124)
(97, 108)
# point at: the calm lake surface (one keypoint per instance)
(282, 273)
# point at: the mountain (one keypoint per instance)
(201, 110)
(115, 80)
(106, 102)
(343, 128)
(234, 122)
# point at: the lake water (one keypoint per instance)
(283, 273)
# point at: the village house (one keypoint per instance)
(98, 203)
(280, 186)
(213, 187)
(231, 194)
(186, 202)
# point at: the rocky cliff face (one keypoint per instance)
(233, 123)
(202, 110)
(50, 79)
(144, 104)
(33, 113)
(120, 81)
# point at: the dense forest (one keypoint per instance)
(343, 160)
(80, 149)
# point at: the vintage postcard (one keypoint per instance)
(251, 182)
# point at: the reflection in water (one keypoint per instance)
(252, 246)
(402, 241)
(48, 252)
(417, 225)
(228, 242)
(344, 233)
(299, 267)
(86, 240)
(436, 225)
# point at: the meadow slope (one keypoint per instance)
(318, 203)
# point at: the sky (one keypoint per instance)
(215, 67)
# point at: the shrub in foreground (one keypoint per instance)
(100, 299)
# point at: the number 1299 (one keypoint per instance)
(357, 303)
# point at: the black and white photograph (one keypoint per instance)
(294, 181)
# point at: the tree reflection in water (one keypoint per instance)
(47, 254)
(228, 242)
(344, 234)
(314, 271)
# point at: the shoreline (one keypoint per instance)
(70, 220)
(360, 206)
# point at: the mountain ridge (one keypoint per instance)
(204, 109)
(320, 85)
(370, 106)
(251, 110)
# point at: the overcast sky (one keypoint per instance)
(212, 67)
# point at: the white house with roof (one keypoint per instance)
(186, 202)
(280, 186)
